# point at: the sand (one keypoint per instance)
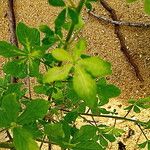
(102, 41)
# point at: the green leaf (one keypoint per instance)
(96, 66)
(34, 130)
(88, 145)
(143, 145)
(34, 67)
(147, 6)
(85, 86)
(45, 29)
(107, 91)
(88, 6)
(28, 37)
(7, 50)
(103, 141)
(8, 103)
(23, 140)
(71, 94)
(60, 20)
(61, 55)
(109, 137)
(73, 15)
(57, 73)
(56, 3)
(80, 24)
(20, 70)
(15, 88)
(7, 114)
(49, 38)
(80, 47)
(136, 109)
(71, 116)
(85, 133)
(55, 132)
(36, 109)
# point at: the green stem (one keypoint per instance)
(78, 9)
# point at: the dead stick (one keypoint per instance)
(12, 27)
(121, 38)
(119, 22)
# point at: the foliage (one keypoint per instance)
(72, 82)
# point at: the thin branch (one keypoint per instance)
(12, 27)
(42, 142)
(143, 132)
(121, 39)
(108, 116)
(12, 22)
(120, 23)
(8, 135)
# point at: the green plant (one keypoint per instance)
(73, 82)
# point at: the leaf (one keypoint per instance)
(7, 114)
(34, 130)
(73, 15)
(34, 67)
(80, 24)
(107, 91)
(61, 55)
(7, 50)
(80, 47)
(85, 133)
(96, 66)
(60, 20)
(56, 3)
(20, 70)
(88, 145)
(49, 38)
(143, 145)
(28, 37)
(71, 94)
(136, 109)
(147, 6)
(23, 140)
(103, 141)
(54, 132)
(57, 73)
(85, 86)
(36, 109)
(45, 29)
(15, 88)
(71, 117)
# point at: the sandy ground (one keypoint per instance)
(102, 40)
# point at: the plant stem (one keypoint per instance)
(78, 9)
(108, 116)
(142, 132)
